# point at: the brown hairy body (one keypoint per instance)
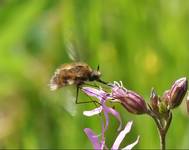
(73, 74)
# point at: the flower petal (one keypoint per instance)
(130, 146)
(93, 112)
(115, 114)
(102, 144)
(92, 92)
(121, 135)
(93, 138)
(106, 118)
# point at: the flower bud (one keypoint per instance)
(154, 100)
(187, 103)
(133, 102)
(177, 92)
(166, 97)
(162, 107)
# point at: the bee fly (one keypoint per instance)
(74, 74)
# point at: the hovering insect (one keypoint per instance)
(77, 73)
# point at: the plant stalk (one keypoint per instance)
(162, 128)
(162, 136)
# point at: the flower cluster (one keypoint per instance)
(134, 103)
(171, 98)
(159, 108)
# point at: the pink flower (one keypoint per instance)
(102, 96)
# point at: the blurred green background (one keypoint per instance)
(144, 43)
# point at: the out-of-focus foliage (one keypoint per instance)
(144, 43)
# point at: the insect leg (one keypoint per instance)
(98, 67)
(77, 94)
(103, 82)
(91, 100)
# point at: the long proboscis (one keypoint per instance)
(105, 83)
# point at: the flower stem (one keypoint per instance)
(162, 136)
(162, 126)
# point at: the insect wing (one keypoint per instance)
(67, 99)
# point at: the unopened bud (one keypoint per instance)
(166, 97)
(187, 103)
(154, 100)
(134, 103)
(162, 107)
(177, 92)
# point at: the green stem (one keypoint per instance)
(162, 136)
(162, 128)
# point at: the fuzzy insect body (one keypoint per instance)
(74, 74)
